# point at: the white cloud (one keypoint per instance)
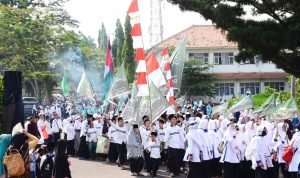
(91, 13)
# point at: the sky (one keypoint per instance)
(91, 13)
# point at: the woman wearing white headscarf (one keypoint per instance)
(197, 147)
(207, 153)
(280, 140)
(293, 166)
(260, 154)
(215, 138)
(230, 156)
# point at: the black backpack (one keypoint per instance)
(47, 167)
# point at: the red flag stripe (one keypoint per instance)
(141, 78)
(136, 30)
(152, 63)
(140, 54)
(133, 7)
(165, 52)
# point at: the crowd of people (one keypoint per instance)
(194, 142)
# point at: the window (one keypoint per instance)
(224, 89)
(223, 58)
(253, 87)
(279, 86)
(200, 56)
(254, 60)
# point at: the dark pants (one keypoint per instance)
(284, 170)
(154, 166)
(147, 161)
(293, 174)
(113, 152)
(173, 160)
(230, 170)
(261, 173)
(70, 147)
(181, 156)
(136, 165)
(215, 168)
(164, 155)
(195, 170)
(121, 153)
(207, 167)
(56, 137)
(245, 170)
(83, 151)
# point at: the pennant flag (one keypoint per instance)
(178, 59)
(154, 72)
(242, 105)
(132, 105)
(108, 71)
(220, 109)
(119, 85)
(269, 104)
(286, 110)
(159, 105)
(85, 87)
(64, 85)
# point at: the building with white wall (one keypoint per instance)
(233, 79)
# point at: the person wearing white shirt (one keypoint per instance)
(83, 150)
(98, 126)
(173, 137)
(40, 123)
(121, 138)
(70, 130)
(91, 139)
(145, 134)
(154, 146)
(230, 156)
(65, 122)
(48, 130)
(77, 127)
(56, 127)
(160, 137)
(113, 152)
(294, 164)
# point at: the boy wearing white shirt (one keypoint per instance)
(145, 134)
(113, 152)
(154, 154)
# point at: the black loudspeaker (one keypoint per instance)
(13, 109)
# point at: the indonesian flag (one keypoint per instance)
(170, 94)
(154, 72)
(136, 34)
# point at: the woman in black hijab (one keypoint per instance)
(61, 164)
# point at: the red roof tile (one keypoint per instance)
(199, 36)
(250, 75)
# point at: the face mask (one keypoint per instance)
(263, 133)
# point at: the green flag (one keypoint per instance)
(268, 105)
(64, 85)
(286, 110)
(220, 109)
(245, 103)
(132, 105)
(159, 105)
(178, 59)
(85, 87)
(278, 99)
(119, 85)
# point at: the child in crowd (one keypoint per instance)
(154, 153)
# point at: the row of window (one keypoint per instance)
(222, 58)
(253, 87)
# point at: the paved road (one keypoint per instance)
(94, 169)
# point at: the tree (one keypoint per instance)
(28, 36)
(196, 81)
(128, 52)
(102, 38)
(117, 44)
(276, 39)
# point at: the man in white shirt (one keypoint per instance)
(121, 138)
(40, 123)
(113, 152)
(56, 127)
(174, 137)
(48, 130)
(145, 134)
(154, 145)
(70, 131)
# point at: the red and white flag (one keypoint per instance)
(170, 94)
(136, 34)
(154, 72)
